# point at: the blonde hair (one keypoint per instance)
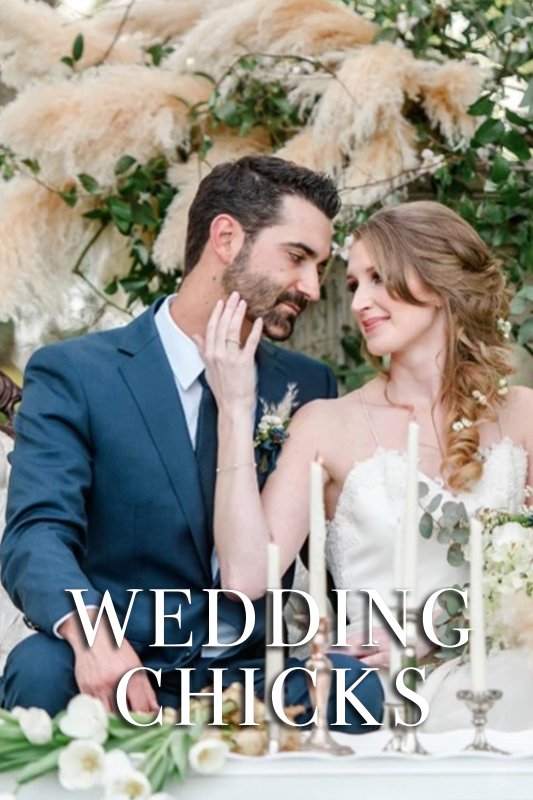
(452, 261)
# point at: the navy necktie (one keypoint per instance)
(206, 450)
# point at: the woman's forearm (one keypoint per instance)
(241, 531)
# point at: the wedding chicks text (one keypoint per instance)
(402, 627)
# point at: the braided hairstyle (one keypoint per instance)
(431, 241)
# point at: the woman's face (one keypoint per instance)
(389, 325)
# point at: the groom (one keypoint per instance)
(113, 469)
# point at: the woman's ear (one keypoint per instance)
(226, 237)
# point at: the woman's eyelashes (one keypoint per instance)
(374, 277)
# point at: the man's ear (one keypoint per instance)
(226, 237)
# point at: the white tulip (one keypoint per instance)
(9, 796)
(117, 763)
(81, 765)
(35, 724)
(208, 755)
(132, 785)
(86, 718)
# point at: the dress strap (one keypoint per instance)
(367, 415)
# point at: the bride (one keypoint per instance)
(431, 304)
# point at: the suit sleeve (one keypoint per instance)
(45, 536)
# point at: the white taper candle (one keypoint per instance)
(317, 538)
(478, 653)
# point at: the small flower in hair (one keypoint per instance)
(479, 398)
(343, 250)
(460, 424)
(503, 386)
(504, 326)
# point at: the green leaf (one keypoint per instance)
(123, 164)
(32, 164)
(455, 555)
(454, 604)
(423, 489)
(120, 210)
(70, 196)
(179, 749)
(489, 131)
(205, 147)
(143, 215)
(425, 526)
(516, 143)
(525, 333)
(516, 119)
(527, 100)
(434, 504)
(500, 169)
(444, 535)
(133, 284)
(141, 252)
(482, 107)
(68, 61)
(78, 47)
(39, 767)
(112, 288)
(461, 535)
(98, 213)
(89, 183)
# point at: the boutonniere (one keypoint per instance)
(272, 428)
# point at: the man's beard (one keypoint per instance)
(263, 297)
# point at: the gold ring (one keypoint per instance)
(235, 341)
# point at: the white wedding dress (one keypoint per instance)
(360, 553)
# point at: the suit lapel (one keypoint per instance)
(149, 377)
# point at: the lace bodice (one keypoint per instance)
(361, 536)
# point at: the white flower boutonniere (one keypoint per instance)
(272, 428)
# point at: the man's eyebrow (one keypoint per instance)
(309, 251)
(301, 246)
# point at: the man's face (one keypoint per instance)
(278, 272)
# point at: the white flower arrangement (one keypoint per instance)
(97, 749)
(507, 570)
(508, 576)
(96, 753)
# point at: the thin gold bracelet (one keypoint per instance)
(236, 466)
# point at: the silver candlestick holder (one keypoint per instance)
(319, 739)
(480, 704)
(404, 737)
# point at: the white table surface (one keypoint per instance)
(446, 774)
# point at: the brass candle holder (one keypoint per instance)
(319, 739)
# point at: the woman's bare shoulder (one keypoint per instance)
(330, 411)
(517, 413)
(519, 398)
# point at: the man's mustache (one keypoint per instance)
(294, 298)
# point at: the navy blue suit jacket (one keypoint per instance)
(105, 493)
